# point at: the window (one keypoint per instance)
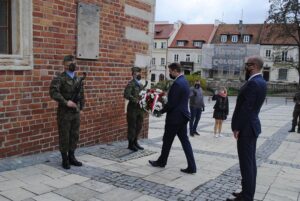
(153, 77)
(162, 61)
(284, 56)
(175, 57)
(163, 45)
(268, 53)
(5, 27)
(155, 45)
(198, 44)
(282, 74)
(153, 61)
(199, 59)
(234, 38)
(161, 77)
(246, 39)
(180, 43)
(188, 58)
(16, 35)
(223, 38)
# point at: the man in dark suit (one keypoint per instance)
(246, 125)
(177, 118)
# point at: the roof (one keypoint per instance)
(163, 31)
(272, 35)
(254, 30)
(193, 32)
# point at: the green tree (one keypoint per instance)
(285, 14)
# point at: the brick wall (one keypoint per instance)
(28, 115)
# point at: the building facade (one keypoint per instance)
(163, 37)
(186, 48)
(280, 55)
(107, 38)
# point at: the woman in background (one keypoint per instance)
(220, 110)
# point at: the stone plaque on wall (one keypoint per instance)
(88, 17)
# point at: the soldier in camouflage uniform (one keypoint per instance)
(296, 113)
(135, 115)
(62, 89)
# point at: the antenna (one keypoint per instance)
(242, 14)
(222, 17)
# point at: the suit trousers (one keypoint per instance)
(296, 115)
(171, 130)
(195, 117)
(246, 147)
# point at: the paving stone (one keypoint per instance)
(38, 188)
(77, 193)
(50, 197)
(97, 186)
(118, 193)
(11, 184)
(147, 198)
(3, 198)
(73, 178)
(17, 194)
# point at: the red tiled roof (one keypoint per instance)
(272, 34)
(163, 31)
(193, 32)
(254, 30)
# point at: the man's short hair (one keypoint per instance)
(175, 66)
(258, 60)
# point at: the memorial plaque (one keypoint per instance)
(88, 18)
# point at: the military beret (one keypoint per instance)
(135, 69)
(69, 58)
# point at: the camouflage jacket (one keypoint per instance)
(62, 88)
(132, 91)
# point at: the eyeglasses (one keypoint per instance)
(249, 64)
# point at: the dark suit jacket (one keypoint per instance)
(249, 102)
(177, 106)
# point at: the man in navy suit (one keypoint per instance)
(177, 118)
(246, 125)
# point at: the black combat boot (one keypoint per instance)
(65, 161)
(298, 131)
(292, 129)
(137, 145)
(131, 146)
(73, 160)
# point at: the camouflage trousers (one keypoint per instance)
(68, 127)
(135, 118)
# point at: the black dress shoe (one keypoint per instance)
(235, 199)
(292, 130)
(240, 194)
(139, 146)
(192, 134)
(133, 148)
(188, 171)
(156, 164)
(196, 133)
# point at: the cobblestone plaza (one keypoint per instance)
(112, 173)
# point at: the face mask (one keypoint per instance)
(72, 67)
(172, 76)
(138, 77)
(197, 86)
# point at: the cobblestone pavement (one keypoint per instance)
(112, 172)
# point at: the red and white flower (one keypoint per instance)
(152, 100)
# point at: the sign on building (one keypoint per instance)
(88, 31)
